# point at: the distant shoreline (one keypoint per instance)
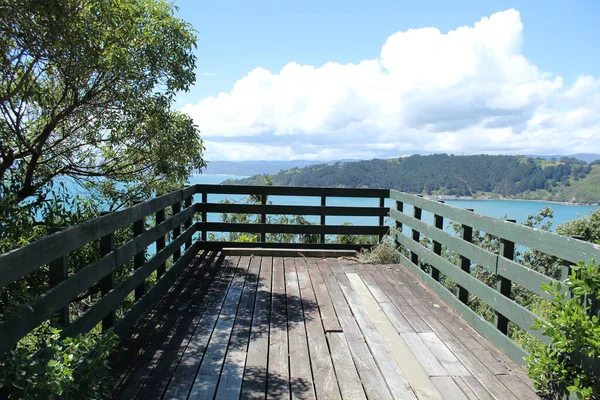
(564, 203)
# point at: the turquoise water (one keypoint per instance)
(513, 209)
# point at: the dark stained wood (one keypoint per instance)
(254, 385)
(370, 375)
(278, 368)
(230, 383)
(326, 385)
(185, 373)
(285, 228)
(292, 191)
(301, 380)
(254, 329)
(182, 330)
(345, 369)
(207, 378)
(328, 317)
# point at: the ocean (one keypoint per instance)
(512, 209)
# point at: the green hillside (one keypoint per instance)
(567, 179)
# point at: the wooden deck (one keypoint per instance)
(254, 327)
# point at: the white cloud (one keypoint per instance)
(470, 90)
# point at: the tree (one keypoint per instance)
(86, 93)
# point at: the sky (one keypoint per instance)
(326, 80)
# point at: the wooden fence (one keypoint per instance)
(502, 265)
(177, 227)
(167, 223)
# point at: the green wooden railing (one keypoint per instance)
(177, 227)
(503, 266)
(167, 223)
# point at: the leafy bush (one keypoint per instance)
(69, 368)
(573, 326)
(384, 253)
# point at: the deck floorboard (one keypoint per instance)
(305, 328)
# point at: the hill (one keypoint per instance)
(440, 174)
(258, 167)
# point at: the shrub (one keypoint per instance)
(573, 327)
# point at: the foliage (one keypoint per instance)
(86, 95)
(442, 174)
(70, 368)
(383, 253)
(573, 327)
(86, 90)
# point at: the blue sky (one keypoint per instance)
(244, 46)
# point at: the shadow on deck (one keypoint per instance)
(256, 327)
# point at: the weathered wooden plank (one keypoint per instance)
(185, 372)
(335, 266)
(255, 373)
(451, 390)
(278, 367)
(403, 301)
(396, 317)
(20, 262)
(230, 383)
(467, 390)
(328, 317)
(345, 370)
(443, 354)
(395, 380)
(471, 383)
(518, 314)
(177, 340)
(551, 243)
(301, 380)
(322, 366)
(151, 354)
(370, 375)
(285, 228)
(295, 210)
(461, 331)
(518, 387)
(139, 336)
(376, 291)
(423, 354)
(207, 378)
(458, 337)
(410, 374)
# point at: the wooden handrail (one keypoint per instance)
(173, 214)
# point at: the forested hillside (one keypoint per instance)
(441, 174)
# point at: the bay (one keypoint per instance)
(512, 209)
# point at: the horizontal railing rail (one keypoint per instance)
(165, 224)
(502, 265)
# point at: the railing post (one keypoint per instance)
(323, 216)
(503, 285)
(400, 208)
(263, 218)
(188, 223)
(416, 236)
(381, 219)
(107, 245)
(438, 221)
(140, 258)
(465, 263)
(160, 243)
(204, 214)
(58, 271)
(176, 207)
